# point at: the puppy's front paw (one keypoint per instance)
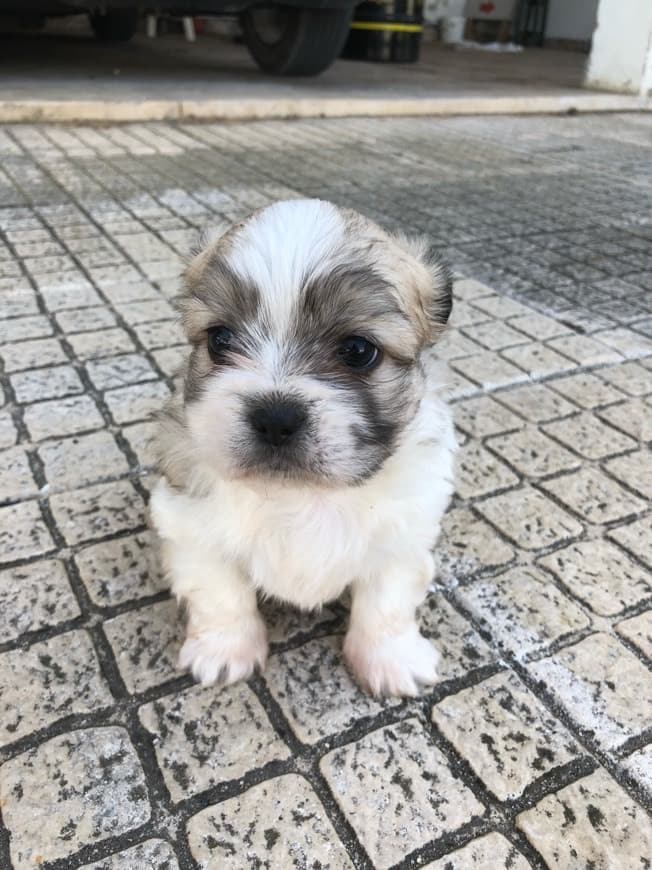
(393, 665)
(225, 655)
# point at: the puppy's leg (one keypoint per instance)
(226, 634)
(383, 647)
(226, 638)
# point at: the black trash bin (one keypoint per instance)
(386, 31)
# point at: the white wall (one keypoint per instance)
(621, 55)
(571, 19)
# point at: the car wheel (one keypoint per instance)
(295, 42)
(114, 25)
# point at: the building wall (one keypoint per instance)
(621, 55)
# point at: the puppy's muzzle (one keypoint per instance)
(277, 422)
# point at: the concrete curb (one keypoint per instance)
(98, 111)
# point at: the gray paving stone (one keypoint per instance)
(489, 370)
(315, 691)
(50, 383)
(639, 766)
(34, 596)
(495, 335)
(591, 494)
(82, 459)
(397, 791)
(589, 437)
(137, 402)
(490, 852)
(461, 648)
(586, 390)
(146, 311)
(85, 319)
(584, 350)
(638, 631)
(523, 610)
(483, 416)
(599, 683)
(507, 736)
(16, 475)
(60, 417)
(532, 453)
(530, 519)
(636, 537)
(468, 544)
(119, 371)
(48, 681)
(601, 575)
(150, 855)
(630, 377)
(29, 354)
(19, 328)
(23, 532)
(629, 343)
(146, 644)
(95, 511)
(122, 570)
(285, 623)
(632, 417)
(205, 737)
(170, 359)
(159, 334)
(99, 343)
(8, 433)
(142, 440)
(479, 473)
(592, 818)
(536, 402)
(73, 790)
(538, 360)
(267, 827)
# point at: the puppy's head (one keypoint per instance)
(307, 325)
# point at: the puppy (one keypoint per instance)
(310, 449)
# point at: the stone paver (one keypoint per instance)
(33, 596)
(490, 852)
(262, 822)
(594, 819)
(397, 791)
(146, 644)
(599, 683)
(507, 736)
(523, 610)
(541, 605)
(153, 855)
(50, 680)
(601, 575)
(71, 791)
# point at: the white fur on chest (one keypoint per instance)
(305, 545)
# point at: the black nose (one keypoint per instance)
(277, 422)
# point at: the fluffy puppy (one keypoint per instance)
(310, 449)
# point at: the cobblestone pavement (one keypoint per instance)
(531, 751)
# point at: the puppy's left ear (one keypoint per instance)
(434, 284)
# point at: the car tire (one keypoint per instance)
(295, 42)
(115, 25)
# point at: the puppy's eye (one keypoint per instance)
(219, 340)
(358, 353)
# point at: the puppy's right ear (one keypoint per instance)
(190, 302)
(433, 282)
(208, 237)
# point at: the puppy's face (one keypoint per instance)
(307, 325)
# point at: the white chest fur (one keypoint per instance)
(305, 544)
